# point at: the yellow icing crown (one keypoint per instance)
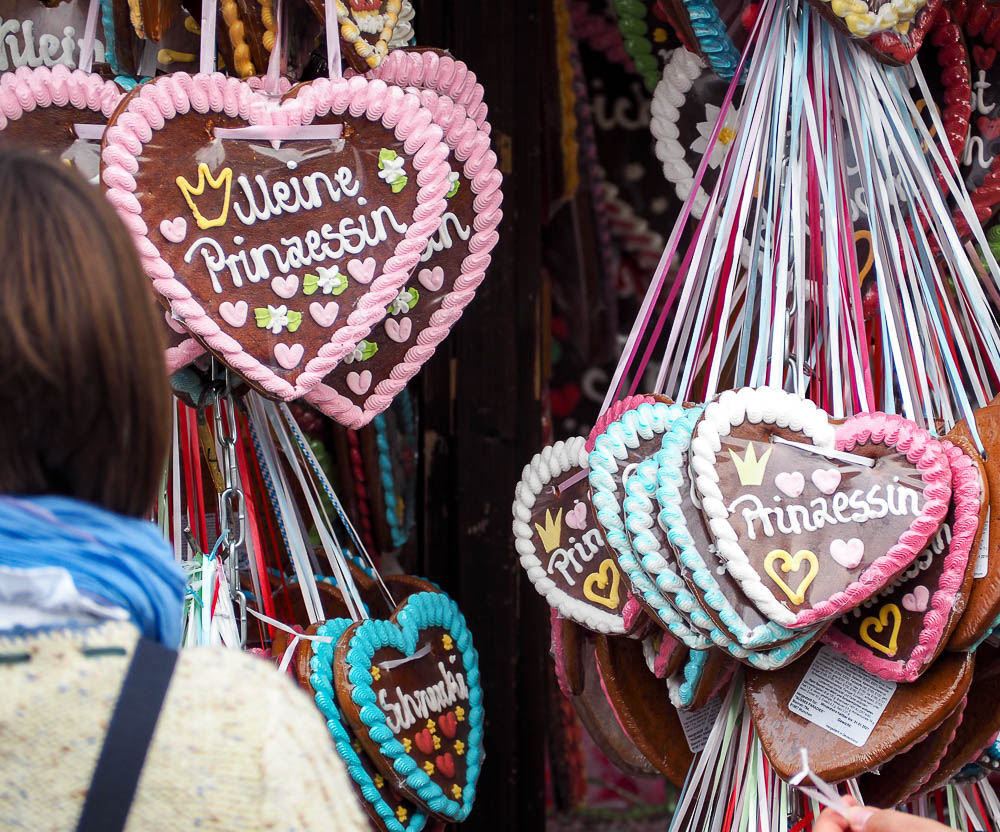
(551, 534)
(750, 469)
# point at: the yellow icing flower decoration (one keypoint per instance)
(376, 673)
(431, 726)
(460, 713)
(407, 745)
(447, 642)
(459, 747)
(379, 782)
(437, 742)
(356, 746)
(457, 791)
(401, 813)
(659, 35)
(429, 767)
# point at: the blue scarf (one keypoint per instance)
(118, 560)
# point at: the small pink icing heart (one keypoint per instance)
(289, 356)
(916, 601)
(576, 518)
(285, 287)
(431, 279)
(399, 331)
(826, 479)
(359, 382)
(362, 270)
(234, 314)
(790, 483)
(324, 314)
(847, 553)
(174, 324)
(174, 230)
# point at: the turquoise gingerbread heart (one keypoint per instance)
(404, 817)
(412, 683)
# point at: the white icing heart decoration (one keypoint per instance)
(362, 270)
(847, 553)
(790, 483)
(916, 601)
(400, 330)
(234, 314)
(289, 356)
(431, 279)
(285, 287)
(174, 230)
(324, 314)
(826, 480)
(360, 382)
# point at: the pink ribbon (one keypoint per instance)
(89, 35)
(334, 60)
(273, 78)
(207, 56)
(284, 133)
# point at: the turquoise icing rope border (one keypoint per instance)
(713, 39)
(644, 422)
(321, 680)
(668, 461)
(694, 669)
(419, 612)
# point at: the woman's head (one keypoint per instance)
(84, 397)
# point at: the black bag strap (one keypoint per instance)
(116, 776)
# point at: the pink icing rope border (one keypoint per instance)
(171, 95)
(926, 453)
(25, 89)
(438, 73)
(965, 492)
(472, 147)
(613, 414)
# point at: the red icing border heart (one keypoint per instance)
(471, 147)
(171, 95)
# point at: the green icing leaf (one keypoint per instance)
(399, 183)
(414, 296)
(263, 317)
(368, 349)
(453, 191)
(310, 284)
(341, 286)
(294, 320)
(386, 155)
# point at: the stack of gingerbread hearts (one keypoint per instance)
(844, 563)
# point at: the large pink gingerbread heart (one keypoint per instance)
(796, 557)
(442, 285)
(276, 228)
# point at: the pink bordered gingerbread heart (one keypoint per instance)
(811, 519)
(898, 632)
(241, 237)
(442, 285)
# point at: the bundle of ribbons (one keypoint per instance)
(773, 576)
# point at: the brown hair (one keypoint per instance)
(84, 396)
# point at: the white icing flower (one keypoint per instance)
(392, 169)
(404, 302)
(369, 23)
(358, 354)
(279, 318)
(726, 134)
(329, 279)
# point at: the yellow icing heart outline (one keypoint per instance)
(600, 577)
(791, 563)
(880, 623)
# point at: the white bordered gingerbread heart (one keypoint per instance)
(276, 228)
(778, 536)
